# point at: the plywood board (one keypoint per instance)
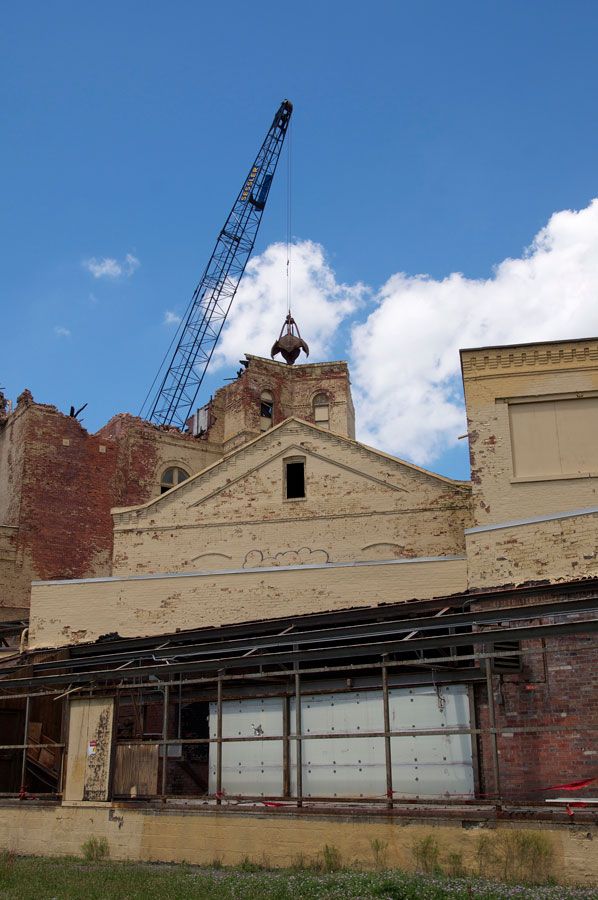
(89, 747)
(136, 770)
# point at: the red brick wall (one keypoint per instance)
(70, 481)
(556, 696)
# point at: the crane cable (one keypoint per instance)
(289, 235)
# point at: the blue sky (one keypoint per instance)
(428, 139)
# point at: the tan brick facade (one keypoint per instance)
(64, 613)
(560, 548)
(359, 505)
(533, 405)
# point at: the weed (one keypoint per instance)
(95, 849)
(7, 860)
(246, 865)
(380, 853)
(523, 855)
(485, 854)
(331, 858)
(425, 854)
(454, 865)
(216, 864)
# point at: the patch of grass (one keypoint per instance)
(300, 863)
(50, 879)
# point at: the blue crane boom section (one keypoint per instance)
(180, 378)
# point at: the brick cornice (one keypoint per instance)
(530, 358)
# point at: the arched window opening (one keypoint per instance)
(321, 406)
(266, 410)
(172, 476)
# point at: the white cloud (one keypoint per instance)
(171, 318)
(131, 263)
(404, 350)
(318, 302)
(101, 268)
(61, 331)
(405, 359)
(112, 268)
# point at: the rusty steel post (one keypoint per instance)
(219, 742)
(387, 745)
(493, 734)
(25, 741)
(298, 742)
(165, 738)
(286, 772)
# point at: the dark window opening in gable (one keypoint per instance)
(295, 480)
(266, 410)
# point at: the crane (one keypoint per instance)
(181, 378)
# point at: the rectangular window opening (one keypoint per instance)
(295, 480)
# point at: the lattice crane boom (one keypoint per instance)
(198, 333)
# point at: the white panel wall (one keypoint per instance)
(431, 765)
(248, 768)
(422, 765)
(340, 767)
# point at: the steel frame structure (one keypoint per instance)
(218, 665)
(212, 687)
(206, 314)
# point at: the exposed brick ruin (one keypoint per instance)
(58, 483)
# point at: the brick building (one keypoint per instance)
(58, 483)
(306, 625)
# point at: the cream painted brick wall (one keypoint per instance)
(65, 613)
(333, 538)
(494, 374)
(557, 549)
(359, 505)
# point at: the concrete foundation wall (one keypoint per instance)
(76, 612)
(203, 837)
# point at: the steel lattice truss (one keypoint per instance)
(211, 301)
